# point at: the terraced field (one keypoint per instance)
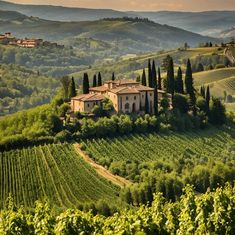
(193, 148)
(55, 172)
(219, 80)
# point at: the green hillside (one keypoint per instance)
(207, 23)
(55, 172)
(219, 80)
(22, 88)
(133, 34)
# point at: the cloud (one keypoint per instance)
(150, 5)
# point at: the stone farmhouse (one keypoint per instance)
(127, 96)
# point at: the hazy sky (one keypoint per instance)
(148, 5)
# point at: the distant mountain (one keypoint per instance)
(59, 13)
(207, 23)
(10, 15)
(136, 35)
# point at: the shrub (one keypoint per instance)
(219, 66)
(181, 103)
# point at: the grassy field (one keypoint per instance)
(219, 80)
(55, 172)
(178, 151)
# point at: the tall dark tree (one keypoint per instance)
(203, 92)
(85, 84)
(143, 78)
(65, 84)
(99, 79)
(217, 115)
(146, 103)
(72, 88)
(189, 85)
(159, 79)
(113, 76)
(208, 98)
(179, 84)
(155, 86)
(170, 84)
(150, 75)
(94, 81)
(189, 78)
(154, 75)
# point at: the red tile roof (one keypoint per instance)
(99, 88)
(89, 97)
(125, 90)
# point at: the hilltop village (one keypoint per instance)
(8, 39)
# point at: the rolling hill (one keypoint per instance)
(219, 80)
(59, 13)
(207, 23)
(132, 34)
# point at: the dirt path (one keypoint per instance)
(120, 181)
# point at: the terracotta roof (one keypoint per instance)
(99, 88)
(144, 88)
(89, 97)
(125, 90)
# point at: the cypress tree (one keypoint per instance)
(85, 84)
(72, 88)
(170, 77)
(150, 75)
(179, 84)
(154, 84)
(99, 79)
(146, 103)
(65, 84)
(143, 79)
(208, 98)
(203, 92)
(154, 75)
(189, 85)
(159, 79)
(189, 78)
(94, 81)
(113, 76)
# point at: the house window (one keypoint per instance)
(134, 97)
(127, 106)
(142, 96)
(88, 105)
(126, 97)
(150, 94)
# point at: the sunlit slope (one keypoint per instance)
(131, 67)
(220, 80)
